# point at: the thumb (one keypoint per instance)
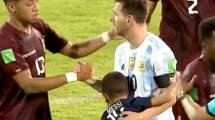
(192, 81)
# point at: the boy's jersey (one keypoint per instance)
(132, 104)
(211, 107)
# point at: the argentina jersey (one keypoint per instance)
(153, 58)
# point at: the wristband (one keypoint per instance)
(105, 37)
(71, 76)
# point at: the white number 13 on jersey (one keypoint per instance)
(192, 6)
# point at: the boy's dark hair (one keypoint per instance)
(206, 29)
(114, 84)
(137, 8)
(6, 1)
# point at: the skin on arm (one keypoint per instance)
(168, 94)
(194, 111)
(37, 85)
(78, 50)
(148, 113)
(94, 82)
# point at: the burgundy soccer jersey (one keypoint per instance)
(179, 26)
(205, 81)
(20, 51)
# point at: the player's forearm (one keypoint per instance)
(163, 98)
(192, 109)
(160, 99)
(86, 48)
(151, 8)
(95, 84)
(38, 85)
(78, 50)
(154, 111)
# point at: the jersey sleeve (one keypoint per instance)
(164, 65)
(143, 102)
(211, 108)
(53, 41)
(11, 60)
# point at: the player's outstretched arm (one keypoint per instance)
(94, 82)
(78, 50)
(43, 84)
(193, 110)
(148, 113)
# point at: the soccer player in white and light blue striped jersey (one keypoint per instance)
(144, 58)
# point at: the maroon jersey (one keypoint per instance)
(205, 81)
(179, 29)
(20, 51)
(179, 26)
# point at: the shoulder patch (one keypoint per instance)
(8, 56)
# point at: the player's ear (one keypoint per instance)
(130, 19)
(11, 7)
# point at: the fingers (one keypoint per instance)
(193, 79)
(191, 83)
(77, 68)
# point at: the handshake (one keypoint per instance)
(83, 71)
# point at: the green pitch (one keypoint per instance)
(78, 20)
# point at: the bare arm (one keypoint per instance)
(151, 8)
(82, 49)
(78, 50)
(148, 113)
(193, 110)
(95, 84)
(37, 85)
(154, 111)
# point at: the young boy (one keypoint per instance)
(115, 90)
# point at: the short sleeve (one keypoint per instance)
(143, 102)
(211, 108)
(11, 60)
(53, 41)
(164, 63)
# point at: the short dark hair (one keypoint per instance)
(137, 8)
(6, 1)
(206, 28)
(114, 84)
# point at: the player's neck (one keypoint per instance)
(25, 27)
(112, 101)
(137, 35)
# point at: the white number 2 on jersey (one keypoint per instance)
(191, 8)
(40, 65)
